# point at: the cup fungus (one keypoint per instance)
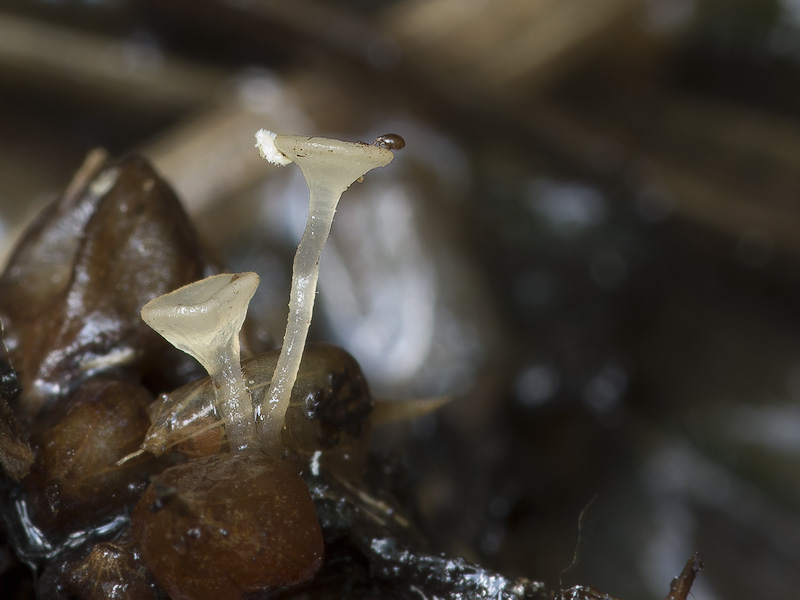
(329, 167)
(204, 319)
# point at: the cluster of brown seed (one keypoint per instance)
(217, 526)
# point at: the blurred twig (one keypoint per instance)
(499, 48)
(735, 174)
(88, 66)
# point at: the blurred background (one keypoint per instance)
(591, 240)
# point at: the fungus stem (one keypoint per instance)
(233, 399)
(329, 167)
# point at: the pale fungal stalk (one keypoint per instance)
(329, 167)
(204, 319)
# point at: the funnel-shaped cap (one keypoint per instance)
(204, 318)
(334, 162)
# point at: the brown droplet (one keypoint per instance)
(390, 141)
(231, 524)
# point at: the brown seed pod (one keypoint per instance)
(227, 525)
(71, 293)
(112, 570)
(328, 419)
(75, 480)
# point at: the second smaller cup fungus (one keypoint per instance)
(203, 319)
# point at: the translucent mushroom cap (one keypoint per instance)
(204, 316)
(335, 162)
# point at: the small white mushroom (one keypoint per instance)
(329, 167)
(203, 319)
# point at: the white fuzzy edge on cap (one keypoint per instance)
(265, 142)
